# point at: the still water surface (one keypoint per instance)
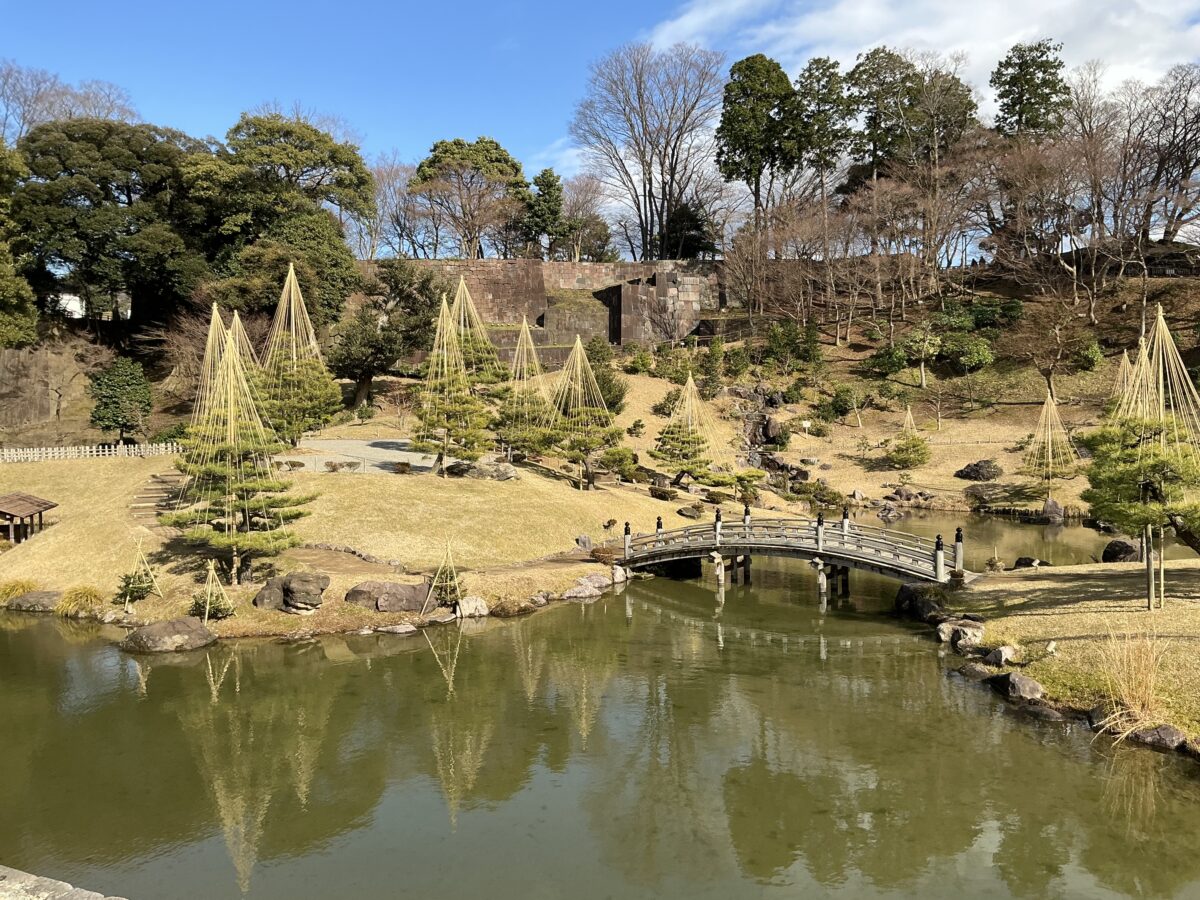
(669, 741)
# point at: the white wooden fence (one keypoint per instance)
(40, 454)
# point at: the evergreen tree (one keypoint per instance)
(297, 396)
(584, 432)
(683, 450)
(18, 316)
(545, 215)
(613, 386)
(453, 421)
(520, 423)
(1030, 90)
(750, 136)
(122, 396)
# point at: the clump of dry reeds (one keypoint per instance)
(1130, 665)
(15, 588)
(81, 600)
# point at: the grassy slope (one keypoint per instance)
(1078, 607)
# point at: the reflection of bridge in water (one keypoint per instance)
(838, 547)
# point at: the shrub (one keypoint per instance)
(712, 363)
(969, 352)
(737, 362)
(983, 470)
(638, 362)
(637, 429)
(818, 429)
(908, 451)
(708, 388)
(819, 493)
(1088, 357)
(364, 411)
(667, 404)
(663, 493)
(871, 333)
(80, 600)
(620, 460)
(134, 588)
(220, 608)
(887, 360)
(176, 432)
(993, 314)
(837, 406)
(15, 588)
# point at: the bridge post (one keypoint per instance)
(719, 566)
(845, 585)
(939, 559)
(845, 520)
(733, 569)
(717, 527)
(960, 555)
(746, 569)
(628, 540)
(820, 531)
(746, 522)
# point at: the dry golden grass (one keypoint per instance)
(411, 517)
(1078, 607)
(1131, 666)
(81, 599)
(644, 392)
(15, 587)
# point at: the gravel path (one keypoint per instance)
(379, 454)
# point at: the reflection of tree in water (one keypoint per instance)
(249, 745)
(460, 743)
(530, 652)
(580, 677)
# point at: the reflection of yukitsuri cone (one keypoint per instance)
(447, 656)
(583, 683)
(458, 752)
(143, 676)
(531, 660)
(292, 337)
(312, 724)
(1132, 790)
(576, 396)
(216, 675)
(1051, 453)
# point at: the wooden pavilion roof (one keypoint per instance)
(19, 506)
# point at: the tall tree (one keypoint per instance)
(396, 319)
(645, 126)
(477, 185)
(18, 316)
(103, 211)
(1031, 92)
(544, 218)
(30, 97)
(122, 396)
(750, 135)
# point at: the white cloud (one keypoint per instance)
(560, 156)
(1135, 39)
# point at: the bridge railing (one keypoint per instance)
(844, 538)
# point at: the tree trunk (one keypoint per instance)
(1188, 535)
(362, 390)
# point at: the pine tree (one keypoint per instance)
(682, 450)
(233, 502)
(298, 397)
(122, 396)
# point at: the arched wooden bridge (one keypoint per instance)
(840, 543)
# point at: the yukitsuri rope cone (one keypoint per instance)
(449, 412)
(291, 338)
(444, 590)
(214, 346)
(141, 570)
(215, 600)
(909, 426)
(576, 402)
(1124, 377)
(479, 354)
(529, 393)
(1051, 453)
(242, 342)
(232, 500)
(1161, 391)
(690, 433)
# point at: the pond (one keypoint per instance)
(669, 741)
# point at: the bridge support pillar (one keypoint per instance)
(746, 569)
(844, 587)
(719, 567)
(733, 569)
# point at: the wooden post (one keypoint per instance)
(960, 555)
(821, 532)
(746, 569)
(845, 520)
(939, 559)
(1162, 569)
(628, 540)
(1148, 546)
(717, 527)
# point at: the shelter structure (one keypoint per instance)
(22, 515)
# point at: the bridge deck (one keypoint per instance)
(845, 543)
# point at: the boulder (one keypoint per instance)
(389, 596)
(584, 543)
(270, 595)
(440, 616)
(492, 471)
(1098, 715)
(598, 580)
(1016, 686)
(401, 628)
(918, 601)
(960, 633)
(619, 575)
(772, 429)
(35, 601)
(185, 633)
(1042, 713)
(857, 495)
(1001, 656)
(472, 608)
(689, 512)
(302, 592)
(1120, 550)
(905, 494)
(982, 470)
(581, 592)
(1164, 737)
(973, 671)
(1028, 562)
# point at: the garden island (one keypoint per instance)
(801, 496)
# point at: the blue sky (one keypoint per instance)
(404, 75)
